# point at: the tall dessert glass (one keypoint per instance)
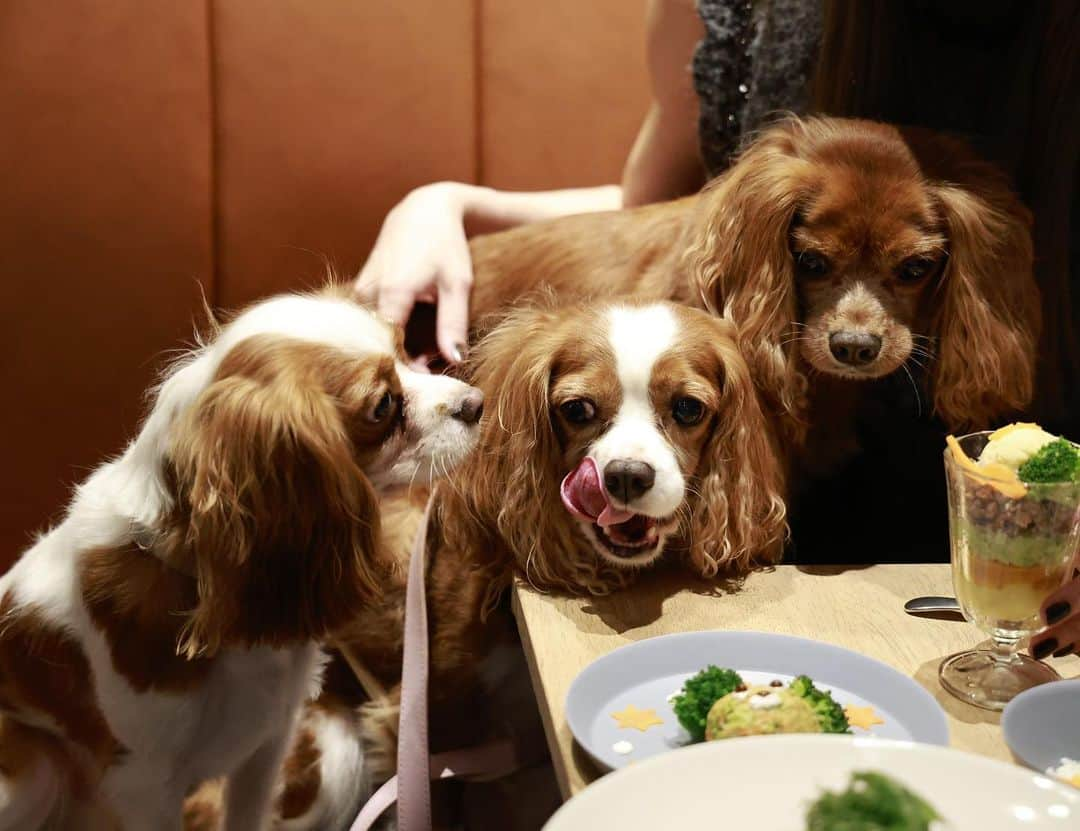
(1012, 545)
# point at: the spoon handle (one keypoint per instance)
(924, 605)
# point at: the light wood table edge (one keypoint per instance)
(551, 734)
(566, 754)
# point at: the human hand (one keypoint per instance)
(422, 256)
(1061, 612)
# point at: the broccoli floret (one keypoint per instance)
(830, 714)
(1057, 461)
(698, 695)
(872, 802)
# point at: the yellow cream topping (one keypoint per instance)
(1013, 445)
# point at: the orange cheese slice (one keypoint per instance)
(864, 717)
(635, 719)
(998, 476)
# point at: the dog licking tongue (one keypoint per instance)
(584, 496)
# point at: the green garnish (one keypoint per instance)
(872, 802)
(1057, 461)
(698, 695)
(830, 714)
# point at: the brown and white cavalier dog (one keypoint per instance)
(165, 632)
(619, 431)
(616, 435)
(843, 250)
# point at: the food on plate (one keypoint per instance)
(634, 719)
(717, 704)
(698, 696)
(760, 711)
(1067, 770)
(830, 715)
(872, 802)
(864, 717)
(1015, 527)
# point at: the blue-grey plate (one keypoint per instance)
(647, 674)
(1042, 725)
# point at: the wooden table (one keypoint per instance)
(859, 608)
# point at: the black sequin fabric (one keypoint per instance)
(753, 65)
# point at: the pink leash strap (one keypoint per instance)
(416, 768)
(493, 759)
(382, 799)
(414, 782)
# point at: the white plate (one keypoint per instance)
(766, 783)
(645, 674)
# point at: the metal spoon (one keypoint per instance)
(931, 605)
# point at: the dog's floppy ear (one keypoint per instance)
(739, 260)
(739, 519)
(282, 526)
(987, 319)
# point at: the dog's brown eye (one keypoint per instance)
(811, 264)
(687, 411)
(578, 410)
(382, 408)
(915, 269)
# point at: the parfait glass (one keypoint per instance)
(1011, 547)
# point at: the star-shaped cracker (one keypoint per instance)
(633, 718)
(863, 717)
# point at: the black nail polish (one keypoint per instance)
(1061, 653)
(1043, 648)
(1056, 612)
(459, 352)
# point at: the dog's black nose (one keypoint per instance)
(470, 407)
(628, 479)
(854, 348)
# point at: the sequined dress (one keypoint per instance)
(753, 64)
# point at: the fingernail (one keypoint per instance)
(1043, 648)
(1057, 612)
(1061, 653)
(459, 352)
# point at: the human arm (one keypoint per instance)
(421, 254)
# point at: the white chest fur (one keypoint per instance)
(246, 704)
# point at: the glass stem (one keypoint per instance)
(1004, 648)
